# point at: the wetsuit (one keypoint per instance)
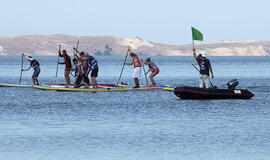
(35, 65)
(92, 64)
(67, 60)
(153, 68)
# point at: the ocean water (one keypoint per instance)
(135, 125)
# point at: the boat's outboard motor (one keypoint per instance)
(232, 84)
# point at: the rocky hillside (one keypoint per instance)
(106, 45)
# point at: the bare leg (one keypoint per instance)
(37, 81)
(136, 80)
(94, 82)
(34, 81)
(152, 79)
(67, 76)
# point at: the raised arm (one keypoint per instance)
(59, 53)
(194, 53)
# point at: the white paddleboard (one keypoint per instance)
(15, 85)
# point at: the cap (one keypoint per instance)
(204, 54)
(29, 58)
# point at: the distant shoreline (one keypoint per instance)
(110, 45)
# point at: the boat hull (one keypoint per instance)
(187, 92)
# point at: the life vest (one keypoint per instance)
(92, 62)
(34, 64)
(152, 67)
(136, 62)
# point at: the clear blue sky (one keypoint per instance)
(165, 21)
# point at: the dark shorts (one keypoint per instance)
(36, 72)
(94, 72)
(78, 80)
(86, 79)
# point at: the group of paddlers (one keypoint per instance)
(83, 64)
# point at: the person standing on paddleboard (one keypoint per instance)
(153, 68)
(137, 68)
(205, 67)
(67, 62)
(35, 65)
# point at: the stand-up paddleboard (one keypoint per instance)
(55, 86)
(72, 89)
(15, 85)
(142, 87)
(64, 84)
(48, 87)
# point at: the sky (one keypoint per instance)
(162, 21)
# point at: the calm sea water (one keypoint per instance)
(136, 125)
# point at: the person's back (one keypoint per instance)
(92, 62)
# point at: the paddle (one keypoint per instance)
(77, 46)
(199, 71)
(123, 66)
(57, 65)
(21, 70)
(144, 72)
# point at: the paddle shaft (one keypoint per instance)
(21, 70)
(199, 71)
(57, 65)
(123, 67)
(77, 46)
(144, 72)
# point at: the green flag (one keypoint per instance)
(196, 35)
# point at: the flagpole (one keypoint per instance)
(192, 38)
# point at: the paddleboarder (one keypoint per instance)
(90, 65)
(205, 67)
(153, 68)
(67, 62)
(36, 66)
(79, 73)
(137, 68)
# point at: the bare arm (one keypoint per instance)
(194, 53)
(212, 74)
(27, 68)
(79, 70)
(148, 71)
(129, 63)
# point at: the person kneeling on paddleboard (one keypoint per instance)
(79, 74)
(205, 66)
(35, 65)
(153, 68)
(137, 68)
(92, 66)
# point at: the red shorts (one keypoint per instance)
(156, 71)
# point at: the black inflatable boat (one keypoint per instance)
(186, 92)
